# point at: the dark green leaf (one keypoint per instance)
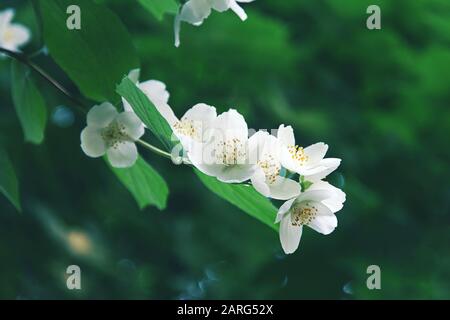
(244, 197)
(29, 103)
(145, 184)
(8, 180)
(146, 111)
(95, 57)
(160, 7)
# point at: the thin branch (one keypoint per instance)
(25, 60)
(79, 105)
(164, 153)
(154, 149)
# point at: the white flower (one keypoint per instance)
(12, 35)
(224, 5)
(224, 155)
(314, 208)
(267, 180)
(308, 162)
(190, 127)
(113, 133)
(156, 92)
(337, 197)
(195, 127)
(196, 11)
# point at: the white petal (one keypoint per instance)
(176, 30)
(133, 125)
(230, 125)
(17, 36)
(289, 235)
(167, 113)
(92, 142)
(284, 209)
(284, 189)
(286, 135)
(195, 11)
(238, 10)
(134, 75)
(325, 222)
(263, 145)
(327, 166)
(273, 147)
(156, 91)
(200, 155)
(316, 152)
(212, 170)
(236, 173)
(314, 195)
(101, 116)
(185, 143)
(256, 146)
(335, 202)
(266, 145)
(220, 5)
(202, 117)
(201, 112)
(200, 158)
(259, 182)
(6, 17)
(312, 171)
(126, 106)
(124, 155)
(158, 95)
(288, 162)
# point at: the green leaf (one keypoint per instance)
(8, 180)
(146, 111)
(244, 197)
(95, 57)
(29, 103)
(145, 184)
(304, 184)
(160, 7)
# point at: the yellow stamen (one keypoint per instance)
(303, 213)
(298, 154)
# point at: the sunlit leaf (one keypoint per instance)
(146, 111)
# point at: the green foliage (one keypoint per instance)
(95, 57)
(160, 7)
(305, 184)
(29, 103)
(245, 197)
(9, 185)
(145, 184)
(380, 99)
(146, 111)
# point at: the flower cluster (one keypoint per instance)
(220, 145)
(12, 35)
(196, 11)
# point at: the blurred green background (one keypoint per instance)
(379, 98)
